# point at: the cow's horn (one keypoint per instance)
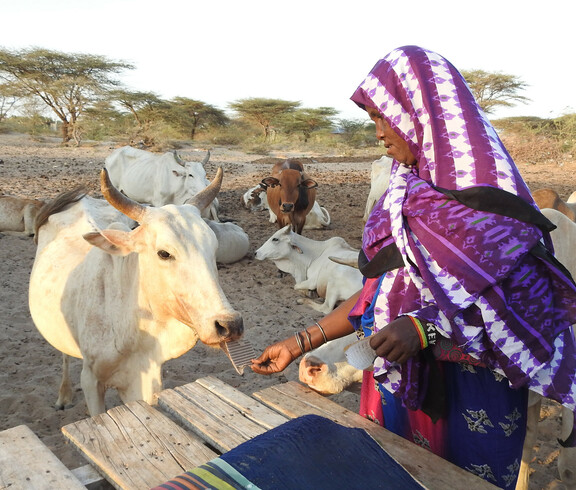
(206, 158)
(206, 196)
(178, 158)
(122, 203)
(345, 261)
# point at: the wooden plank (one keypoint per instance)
(248, 406)
(27, 463)
(135, 446)
(223, 425)
(294, 400)
(88, 475)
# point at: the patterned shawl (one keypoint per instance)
(471, 238)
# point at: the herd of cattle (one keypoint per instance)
(121, 271)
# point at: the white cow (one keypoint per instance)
(254, 199)
(308, 261)
(233, 242)
(155, 179)
(379, 180)
(125, 301)
(571, 198)
(326, 370)
(317, 219)
(18, 214)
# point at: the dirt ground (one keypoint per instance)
(30, 367)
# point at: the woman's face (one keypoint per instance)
(397, 148)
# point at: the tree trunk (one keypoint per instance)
(66, 131)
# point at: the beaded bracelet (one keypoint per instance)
(421, 332)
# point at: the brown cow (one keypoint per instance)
(290, 194)
(549, 198)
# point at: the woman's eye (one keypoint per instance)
(164, 255)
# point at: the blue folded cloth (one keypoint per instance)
(306, 452)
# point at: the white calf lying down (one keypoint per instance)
(326, 370)
(233, 242)
(18, 214)
(254, 199)
(159, 179)
(308, 261)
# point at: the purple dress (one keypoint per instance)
(470, 253)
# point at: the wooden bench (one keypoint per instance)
(138, 446)
(27, 463)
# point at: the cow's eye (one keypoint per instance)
(164, 255)
(274, 239)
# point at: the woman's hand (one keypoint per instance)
(398, 341)
(275, 358)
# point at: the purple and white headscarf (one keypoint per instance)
(426, 100)
(472, 272)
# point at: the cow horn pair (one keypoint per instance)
(137, 211)
(181, 162)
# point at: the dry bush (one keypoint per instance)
(526, 147)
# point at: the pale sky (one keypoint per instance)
(312, 51)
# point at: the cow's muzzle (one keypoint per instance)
(231, 328)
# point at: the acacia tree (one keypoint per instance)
(264, 112)
(66, 83)
(307, 120)
(146, 108)
(494, 90)
(191, 115)
(9, 95)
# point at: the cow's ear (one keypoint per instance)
(114, 242)
(309, 184)
(177, 173)
(270, 182)
(297, 249)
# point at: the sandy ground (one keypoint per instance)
(30, 367)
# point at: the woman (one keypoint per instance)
(464, 304)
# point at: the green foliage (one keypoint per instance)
(34, 125)
(307, 121)
(494, 90)
(357, 133)
(66, 83)
(266, 113)
(191, 116)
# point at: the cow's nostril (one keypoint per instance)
(232, 329)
